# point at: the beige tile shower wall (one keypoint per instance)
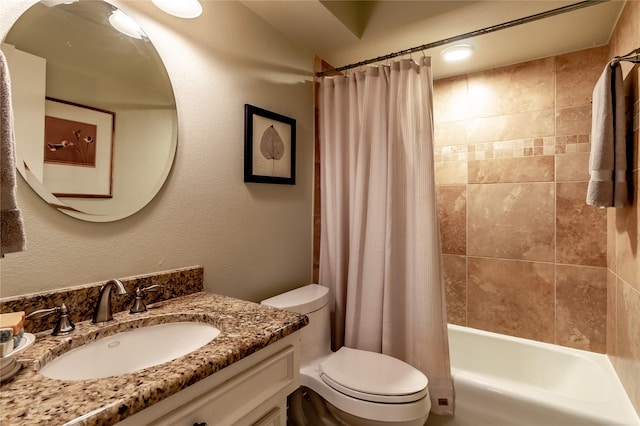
(523, 254)
(623, 238)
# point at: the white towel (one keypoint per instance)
(12, 237)
(608, 160)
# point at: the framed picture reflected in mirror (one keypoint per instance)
(78, 150)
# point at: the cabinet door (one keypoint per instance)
(241, 396)
(275, 417)
(272, 413)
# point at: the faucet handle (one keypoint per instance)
(138, 302)
(63, 325)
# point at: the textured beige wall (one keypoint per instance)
(252, 239)
(623, 238)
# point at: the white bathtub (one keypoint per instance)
(508, 381)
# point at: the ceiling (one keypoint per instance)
(349, 31)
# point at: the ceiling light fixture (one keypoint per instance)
(180, 8)
(456, 53)
(54, 3)
(125, 24)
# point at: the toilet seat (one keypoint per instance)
(373, 377)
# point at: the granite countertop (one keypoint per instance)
(30, 398)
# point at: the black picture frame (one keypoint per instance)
(269, 147)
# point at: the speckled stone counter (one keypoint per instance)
(81, 299)
(30, 398)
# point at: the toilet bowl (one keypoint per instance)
(359, 387)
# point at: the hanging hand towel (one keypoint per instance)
(11, 227)
(608, 160)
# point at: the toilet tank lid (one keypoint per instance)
(302, 300)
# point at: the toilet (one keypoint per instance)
(358, 387)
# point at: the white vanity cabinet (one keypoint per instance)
(252, 391)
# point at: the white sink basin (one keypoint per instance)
(130, 351)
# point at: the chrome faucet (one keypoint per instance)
(103, 312)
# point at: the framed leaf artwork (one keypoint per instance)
(269, 147)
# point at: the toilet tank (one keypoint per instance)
(313, 301)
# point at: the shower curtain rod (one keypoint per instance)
(487, 30)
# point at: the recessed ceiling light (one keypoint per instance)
(123, 23)
(180, 8)
(458, 52)
(54, 3)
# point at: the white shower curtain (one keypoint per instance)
(380, 250)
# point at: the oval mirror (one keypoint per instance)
(94, 110)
